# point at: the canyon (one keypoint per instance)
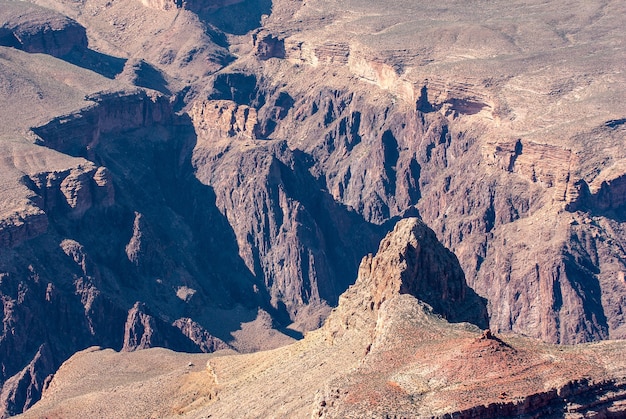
(211, 176)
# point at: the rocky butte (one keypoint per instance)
(211, 176)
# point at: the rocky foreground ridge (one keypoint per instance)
(383, 352)
(203, 175)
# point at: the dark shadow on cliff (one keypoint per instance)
(236, 19)
(143, 74)
(194, 245)
(434, 275)
(345, 236)
(188, 257)
(162, 243)
(103, 64)
(607, 202)
(48, 292)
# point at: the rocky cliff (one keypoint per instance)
(132, 233)
(208, 175)
(410, 260)
(509, 191)
(416, 364)
(39, 30)
(462, 151)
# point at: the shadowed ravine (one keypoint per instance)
(148, 240)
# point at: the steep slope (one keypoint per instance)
(290, 233)
(382, 352)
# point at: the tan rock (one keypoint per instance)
(223, 118)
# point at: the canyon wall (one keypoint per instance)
(39, 30)
(156, 221)
(502, 207)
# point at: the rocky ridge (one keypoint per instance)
(407, 360)
(381, 352)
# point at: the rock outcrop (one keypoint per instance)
(22, 226)
(268, 46)
(79, 133)
(144, 330)
(24, 388)
(417, 364)
(410, 260)
(37, 29)
(224, 118)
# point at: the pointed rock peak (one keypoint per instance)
(410, 260)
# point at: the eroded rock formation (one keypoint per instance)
(416, 364)
(211, 161)
(410, 260)
(39, 30)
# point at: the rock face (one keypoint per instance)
(380, 280)
(268, 46)
(144, 330)
(410, 260)
(69, 284)
(419, 365)
(290, 235)
(223, 118)
(36, 29)
(148, 224)
(24, 388)
(414, 161)
(474, 167)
